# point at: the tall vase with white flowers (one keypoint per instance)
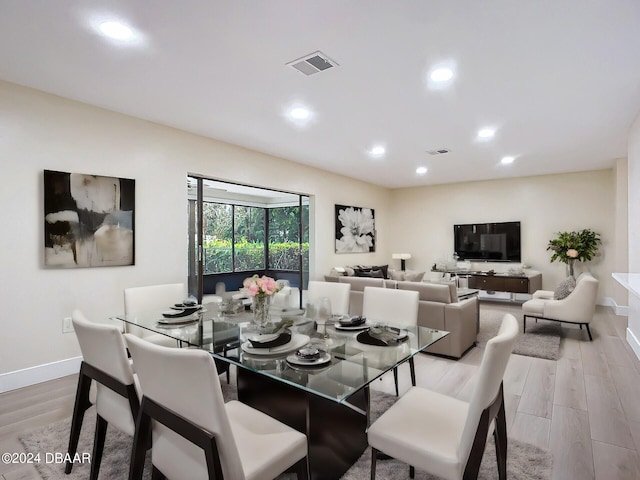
(261, 289)
(569, 247)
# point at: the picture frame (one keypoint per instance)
(88, 220)
(354, 229)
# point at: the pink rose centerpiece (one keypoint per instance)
(261, 289)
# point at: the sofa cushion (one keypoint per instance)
(431, 292)
(412, 276)
(358, 283)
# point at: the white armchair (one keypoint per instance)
(577, 308)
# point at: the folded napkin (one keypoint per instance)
(281, 339)
(384, 337)
(181, 313)
(352, 321)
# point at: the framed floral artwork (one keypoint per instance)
(355, 230)
(88, 220)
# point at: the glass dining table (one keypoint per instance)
(327, 397)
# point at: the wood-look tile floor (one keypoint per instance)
(584, 408)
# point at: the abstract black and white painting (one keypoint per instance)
(355, 230)
(88, 220)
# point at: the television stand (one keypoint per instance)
(505, 282)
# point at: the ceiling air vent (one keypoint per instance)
(313, 63)
(440, 151)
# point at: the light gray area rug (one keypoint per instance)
(541, 340)
(525, 462)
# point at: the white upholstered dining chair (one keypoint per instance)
(396, 307)
(193, 433)
(446, 436)
(104, 361)
(337, 293)
(138, 300)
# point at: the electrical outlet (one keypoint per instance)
(67, 326)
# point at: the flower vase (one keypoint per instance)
(570, 265)
(261, 312)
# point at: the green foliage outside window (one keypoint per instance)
(282, 256)
(249, 236)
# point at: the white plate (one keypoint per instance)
(297, 341)
(286, 311)
(164, 322)
(316, 362)
(362, 326)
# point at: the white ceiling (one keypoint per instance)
(558, 79)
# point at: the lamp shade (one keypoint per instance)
(400, 256)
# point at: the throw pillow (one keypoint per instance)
(413, 276)
(384, 268)
(370, 274)
(564, 289)
(337, 272)
(349, 271)
(397, 275)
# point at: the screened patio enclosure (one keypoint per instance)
(236, 231)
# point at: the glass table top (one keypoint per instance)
(347, 366)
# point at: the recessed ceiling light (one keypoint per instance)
(507, 160)
(486, 133)
(421, 170)
(299, 113)
(116, 30)
(440, 75)
(377, 151)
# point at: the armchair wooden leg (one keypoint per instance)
(589, 332)
(412, 471)
(524, 324)
(374, 458)
(98, 446)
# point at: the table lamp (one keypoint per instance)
(402, 257)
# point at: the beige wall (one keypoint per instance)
(544, 205)
(40, 131)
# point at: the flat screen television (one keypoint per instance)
(489, 242)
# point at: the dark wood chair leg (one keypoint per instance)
(412, 369)
(395, 379)
(580, 326)
(412, 471)
(524, 324)
(157, 474)
(589, 332)
(500, 437)
(374, 458)
(81, 405)
(302, 469)
(141, 443)
(98, 446)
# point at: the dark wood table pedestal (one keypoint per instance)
(336, 433)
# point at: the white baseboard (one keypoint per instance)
(634, 343)
(39, 373)
(621, 310)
